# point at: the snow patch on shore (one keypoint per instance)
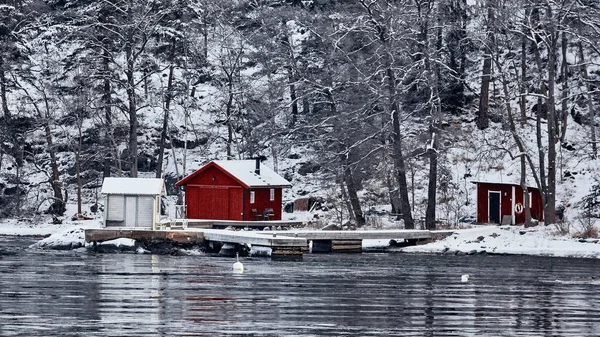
(540, 240)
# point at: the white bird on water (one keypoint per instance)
(238, 267)
(464, 278)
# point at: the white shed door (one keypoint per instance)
(130, 211)
(116, 207)
(144, 211)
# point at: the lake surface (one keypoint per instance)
(76, 293)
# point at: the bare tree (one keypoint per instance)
(42, 104)
(377, 17)
(483, 120)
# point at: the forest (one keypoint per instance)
(374, 99)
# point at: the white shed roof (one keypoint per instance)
(243, 170)
(133, 186)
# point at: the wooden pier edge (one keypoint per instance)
(282, 243)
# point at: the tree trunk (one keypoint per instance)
(132, 112)
(294, 99)
(523, 119)
(483, 121)
(18, 176)
(565, 87)
(205, 35)
(353, 195)
(305, 106)
(538, 118)
(346, 203)
(398, 155)
(394, 196)
(523, 84)
(436, 113)
(590, 102)
(432, 182)
(228, 115)
(550, 210)
(58, 205)
(165, 126)
(78, 167)
(5, 109)
(133, 126)
(107, 101)
(130, 59)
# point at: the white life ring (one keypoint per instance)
(519, 208)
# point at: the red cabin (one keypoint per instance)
(498, 202)
(234, 190)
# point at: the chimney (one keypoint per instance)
(257, 169)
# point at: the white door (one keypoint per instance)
(115, 209)
(130, 211)
(144, 211)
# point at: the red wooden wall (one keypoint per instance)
(506, 202)
(213, 194)
(261, 201)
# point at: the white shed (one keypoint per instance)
(132, 202)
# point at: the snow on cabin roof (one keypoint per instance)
(243, 170)
(132, 186)
(499, 183)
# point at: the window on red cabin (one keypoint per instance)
(272, 194)
(251, 197)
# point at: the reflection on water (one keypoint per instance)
(80, 294)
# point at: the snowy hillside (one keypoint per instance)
(370, 108)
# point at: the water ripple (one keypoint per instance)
(79, 294)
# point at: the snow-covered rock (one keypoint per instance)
(538, 240)
(71, 239)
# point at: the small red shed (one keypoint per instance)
(497, 200)
(234, 190)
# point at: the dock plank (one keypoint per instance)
(361, 234)
(279, 239)
(179, 236)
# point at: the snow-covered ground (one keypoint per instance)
(43, 227)
(540, 240)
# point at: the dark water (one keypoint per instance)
(44, 293)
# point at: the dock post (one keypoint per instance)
(321, 246)
(336, 246)
(346, 246)
(286, 253)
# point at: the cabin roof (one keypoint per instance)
(133, 186)
(243, 172)
(499, 183)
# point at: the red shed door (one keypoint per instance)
(494, 205)
(213, 203)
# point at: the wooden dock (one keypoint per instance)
(279, 243)
(282, 243)
(407, 234)
(327, 241)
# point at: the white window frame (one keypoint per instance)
(252, 197)
(272, 194)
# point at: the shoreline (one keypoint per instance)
(475, 240)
